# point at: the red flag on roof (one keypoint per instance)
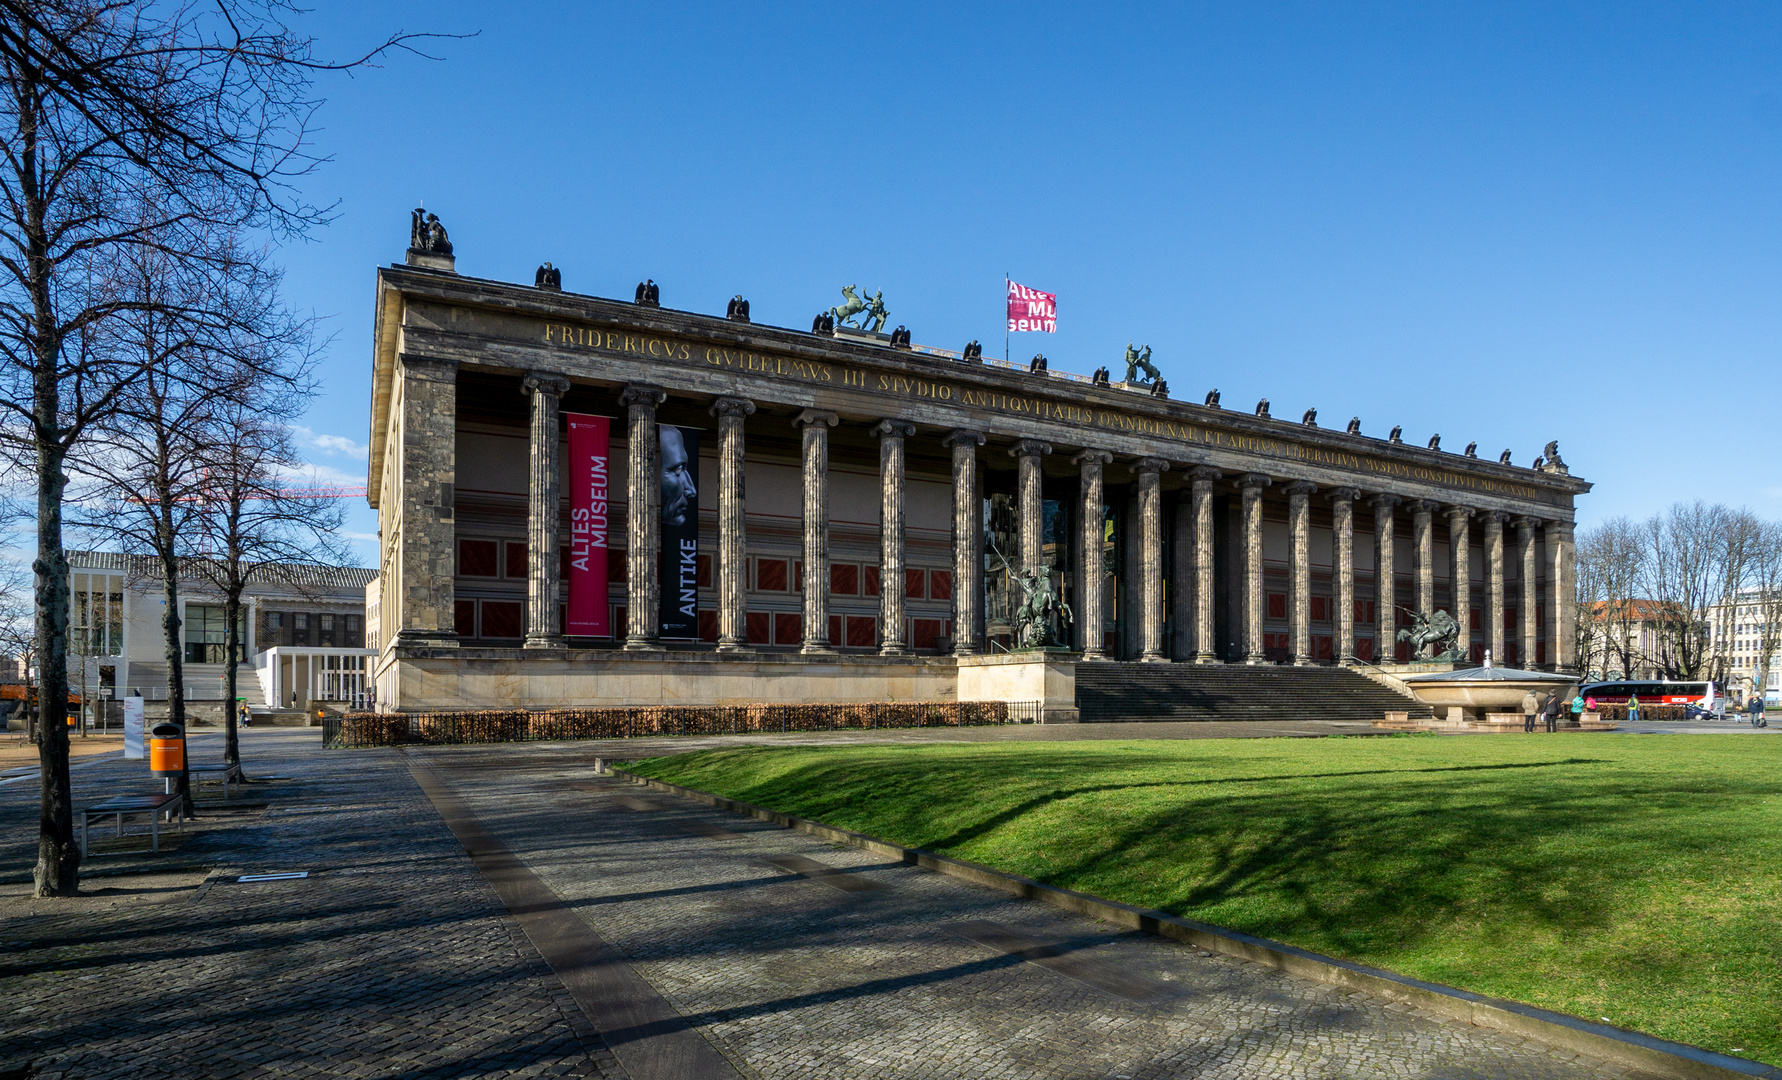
(1030, 309)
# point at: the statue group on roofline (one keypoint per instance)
(871, 312)
(1137, 361)
(426, 234)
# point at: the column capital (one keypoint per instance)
(732, 406)
(1300, 487)
(1526, 522)
(1204, 474)
(813, 417)
(1423, 506)
(1455, 510)
(901, 429)
(1495, 517)
(1149, 465)
(1033, 447)
(1383, 502)
(1560, 525)
(1343, 494)
(1253, 481)
(641, 394)
(963, 436)
(545, 382)
(1087, 457)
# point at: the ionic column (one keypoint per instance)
(1342, 534)
(1150, 493)
(1531, 600)
(1181, 585)
(1200, 495)
(1029, 493)
(733, 561)
(815, 425)
(968, 568)
(1423, 556)
(1385, 597)
(1562, 591)
(1299, 593)
(1090, 602)
(542, 566)
(891, 434)
(424, 552)
(643, 518)
(1252, 484)
(1460, 575)
(1494, 583)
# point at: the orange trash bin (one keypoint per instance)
(167, 749)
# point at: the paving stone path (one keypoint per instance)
(788, 956)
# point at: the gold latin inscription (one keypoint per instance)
(996, 402)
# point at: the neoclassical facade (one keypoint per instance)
(860, 510)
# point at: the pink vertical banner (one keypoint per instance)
(589, 461)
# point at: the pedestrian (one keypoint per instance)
(1550, 713)
(1529, 707)
(1577, 710)
(1633, 709)
(1756, 711)
(1590, 703)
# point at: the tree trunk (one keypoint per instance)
(232, 637)
(176, 668)
(58, 856)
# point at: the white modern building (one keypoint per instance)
(302, 635)
(1737, 632)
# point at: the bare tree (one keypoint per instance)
(1611, 559)
(1697, 557)
(258, 529)
(107, 107)
(1765, 585)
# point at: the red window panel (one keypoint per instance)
(940, 584)
(1509, 654)
(476, 558)
(835, 629)
(1277, 605)
(770, 575)
(516, 560)
(915, 584)
(788, 628)
(925, 633)
(702, 574)
(1403, 652)
(1320, 609)
(1540, 652)
(1478, 655)
(708, 625)
(1110, 643)
(618, 566)
(844, 579)
(464, 618)
(758, 628)
(1474, 619)
(872, 581)
(501, 619)
(1510, 618)
(862, 631)
(1364, 648)
(1540, 615)
(1364, 612)
(798, 575)
(1323, 648)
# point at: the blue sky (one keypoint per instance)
(1509, 225)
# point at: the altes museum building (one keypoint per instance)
(590, 502)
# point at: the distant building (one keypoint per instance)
(1737, 633)
(302, 634)
(1628, 642)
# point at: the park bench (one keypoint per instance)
(120, 806)
(224, 774)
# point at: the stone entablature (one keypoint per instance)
(1203, 487)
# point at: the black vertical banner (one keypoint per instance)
(680, 531)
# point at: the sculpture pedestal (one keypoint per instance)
(864, 337)
(1049, 678)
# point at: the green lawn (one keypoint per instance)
(1621, 876)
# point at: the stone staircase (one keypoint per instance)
(1110, 692)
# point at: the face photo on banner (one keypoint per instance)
(680, 531)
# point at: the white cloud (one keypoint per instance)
(319, 475)
(331, 445)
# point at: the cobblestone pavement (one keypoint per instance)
(792, 957)
(393, 959)
(804, 959)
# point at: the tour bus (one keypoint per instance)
(1706, 696)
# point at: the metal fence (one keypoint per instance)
(517, 725)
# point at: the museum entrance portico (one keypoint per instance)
(851, 522)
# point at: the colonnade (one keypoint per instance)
(1194, 559)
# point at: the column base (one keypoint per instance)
(965, 650)
(642, 644)
(1094, 657)
(1302, 661)
(734, 647)
(1255, 661)
(1206, 658)
(893, 650)
(545, 641)
(1153, 658)
(816, 650)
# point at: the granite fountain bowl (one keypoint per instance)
(1483, 690)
